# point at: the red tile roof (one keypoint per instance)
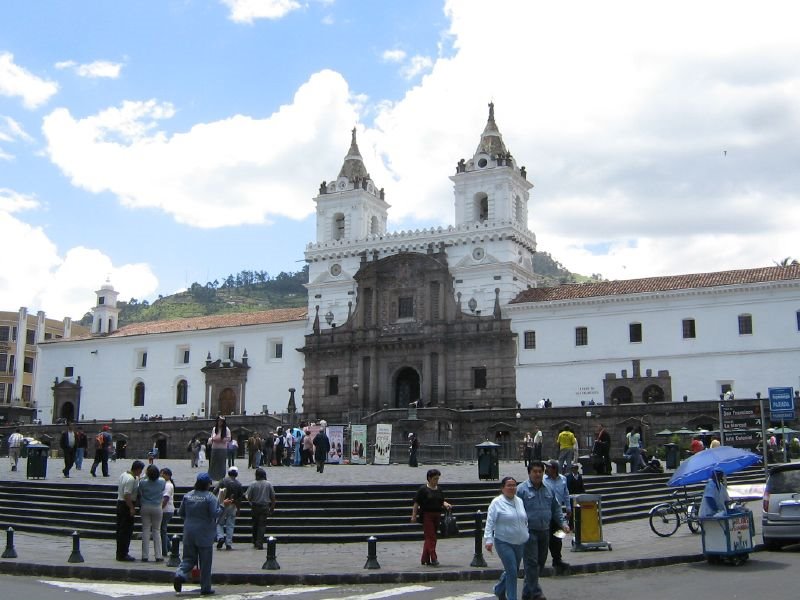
(265, 317)
(658, 284)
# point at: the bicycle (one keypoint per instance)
(666, 517)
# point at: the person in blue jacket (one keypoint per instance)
(199, 510)
(715, 496)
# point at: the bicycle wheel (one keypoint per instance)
(664, 520)
(693, 517)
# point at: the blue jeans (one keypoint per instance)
(193, 555)
(165, 541)
(225, 524)
(510, 555)
(79, 454)
(534, 555)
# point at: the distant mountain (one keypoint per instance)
(250, 291)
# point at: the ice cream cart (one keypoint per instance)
(728, 538)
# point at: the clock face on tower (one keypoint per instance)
(336, 269)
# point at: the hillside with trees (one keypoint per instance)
(249, 291)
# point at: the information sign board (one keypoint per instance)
(781, 404)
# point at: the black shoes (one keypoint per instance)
(220, 543)
(177, 584)
(126, 558)
(207, 592)
(228, 547)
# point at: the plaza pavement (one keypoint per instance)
(633, 545)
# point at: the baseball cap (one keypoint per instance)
(233, 469)
(106, 427)
(204, 477)
(552, 463)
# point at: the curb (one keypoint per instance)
(69, 571)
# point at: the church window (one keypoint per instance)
(69, 371)
(374, 225)
(581, 336)
(182, 392)
(479, 378)
(27, 364)
(141, 359)
(745, 324)
(481, 207)
(434, 299)
(101, 300)
(635, 333)
(338, 226)
(228, 351)
(689, 331)
(333, 385)
(30, 337)
(798, 320)
(276, 349)
(138, 394)
(530, 340)
(405, 307)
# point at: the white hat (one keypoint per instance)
(233, 469)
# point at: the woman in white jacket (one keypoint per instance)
(507, 531)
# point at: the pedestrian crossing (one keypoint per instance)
(133, 590)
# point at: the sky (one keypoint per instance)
(157, 144)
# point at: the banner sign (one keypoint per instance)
(336, 439)
(781, 404)
(358, 444)
(383, 444)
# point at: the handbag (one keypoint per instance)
(448, 526)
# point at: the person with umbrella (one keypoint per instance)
(715, 496)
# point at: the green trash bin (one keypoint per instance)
(37, 461)
(488, 460)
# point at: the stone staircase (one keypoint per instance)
(318, 513)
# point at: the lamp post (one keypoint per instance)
(329, 317)
(356, 403)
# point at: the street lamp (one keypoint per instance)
(355, 396)
(329, 317)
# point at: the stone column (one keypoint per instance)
(19, 359)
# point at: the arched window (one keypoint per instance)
(182, 392)
(374, 225)
(338, 226)
(138, 394)
(481, 207)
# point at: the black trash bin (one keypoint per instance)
(671, 455)
(488, 460)
(37, 461)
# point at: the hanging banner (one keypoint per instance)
(336, 439)
(383, 444)
(358, 444)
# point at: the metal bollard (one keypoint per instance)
(10, 552)
(372, 553)
(174, 551)
(478, 560)
(271, 564)
(76, 557)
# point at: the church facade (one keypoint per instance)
(450, 319)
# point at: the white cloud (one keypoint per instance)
(247, 11)
(621, 127)
(40, 279)
(416, 65)
(92, 70)
(10, 132)
(230, 172)
(394, 56)
(16, 81)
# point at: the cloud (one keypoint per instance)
(16, 81)
(394, 56)
(621, 128)
(236, 171)
(247, 11)
(415, 66)
(39, 278)
(11, 131)
(93, 70)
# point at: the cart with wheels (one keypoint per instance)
(728, 538)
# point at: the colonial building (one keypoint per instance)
(449, 319)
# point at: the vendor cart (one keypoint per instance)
(588, 513)
(728, 538)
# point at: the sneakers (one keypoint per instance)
(220, 543)
(177, 584)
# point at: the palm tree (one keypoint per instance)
(787, 262)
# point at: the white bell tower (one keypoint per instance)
(105, 314)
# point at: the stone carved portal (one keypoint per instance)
(406, 387)
(67, 411)
(227, 402)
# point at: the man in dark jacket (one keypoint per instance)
(322, 446)
(69, 445)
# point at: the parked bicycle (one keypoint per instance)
(666, 517)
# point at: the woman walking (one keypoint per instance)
(199, 510)
(167, 508)
(220, 436)
(430, 501)
(507, 531)
(151, 494)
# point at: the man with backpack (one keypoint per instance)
(102, 448)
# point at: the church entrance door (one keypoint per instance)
(406, 387)
(68, 411)
(227, 402)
